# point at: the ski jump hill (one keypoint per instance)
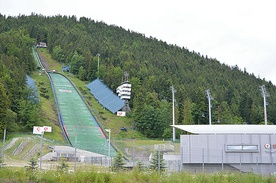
(79, 126)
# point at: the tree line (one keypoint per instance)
(153, 66)
(18, 109)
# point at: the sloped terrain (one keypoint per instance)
(24, 147)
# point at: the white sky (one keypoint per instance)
(234, 32)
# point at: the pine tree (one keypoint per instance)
(63, 167)
(32, 166)
(119, 162)
(140, 166)
(187, 112)
(157, 162)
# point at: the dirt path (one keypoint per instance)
(11, 143)
(20, 148)
(31, 153)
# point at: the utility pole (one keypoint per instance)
(41, 143)
(264, 94)
(208, 94)
(75, 153)
(173, 118)
(3, 147)
(159, 166)
(109, 133)
(40, 130)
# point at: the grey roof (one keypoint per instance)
(105, 96)
(68, 150)
(71, 150)
(228, 129)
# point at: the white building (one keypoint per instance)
(124, 90)
(234, 148)
(41, 45)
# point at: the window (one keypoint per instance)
(234, 147)
(242, 148)
(250, 147)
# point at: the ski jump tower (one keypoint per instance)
(124, 92)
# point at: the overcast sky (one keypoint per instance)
(236, 32)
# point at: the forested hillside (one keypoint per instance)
(153, 66)
(17, 109)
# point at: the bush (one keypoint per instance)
(32, 166)
(119, 162)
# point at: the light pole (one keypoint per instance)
(98, 64)
(109, 132)
(208, 94)
(75, 153)
(264, 94)
(173, 91)
(41, 143)
(3, 148)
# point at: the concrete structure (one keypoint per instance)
(71, 154)
(241, 148)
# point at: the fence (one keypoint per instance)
(210, 160)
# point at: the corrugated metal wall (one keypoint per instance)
(205, 150)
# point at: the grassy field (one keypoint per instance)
(96, 175)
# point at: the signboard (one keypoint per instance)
(37, 130)
(47, 128)
(270, 146)
(121, 113)
(41, 129)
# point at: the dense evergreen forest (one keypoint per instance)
(153, 66)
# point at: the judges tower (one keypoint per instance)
(124, 91)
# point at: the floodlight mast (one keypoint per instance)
(109, 132)
(208, 94)
(173, 119)
(264, 94)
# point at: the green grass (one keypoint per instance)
(93, 174)
(10, 150)
(48, 114)
(33, 140)
(52, 64)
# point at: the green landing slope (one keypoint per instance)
(79, 124)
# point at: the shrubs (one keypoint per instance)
(157, 162)
(32, 166)
(119, 162)
(8, 174)
(43, 90)
(63, 167)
